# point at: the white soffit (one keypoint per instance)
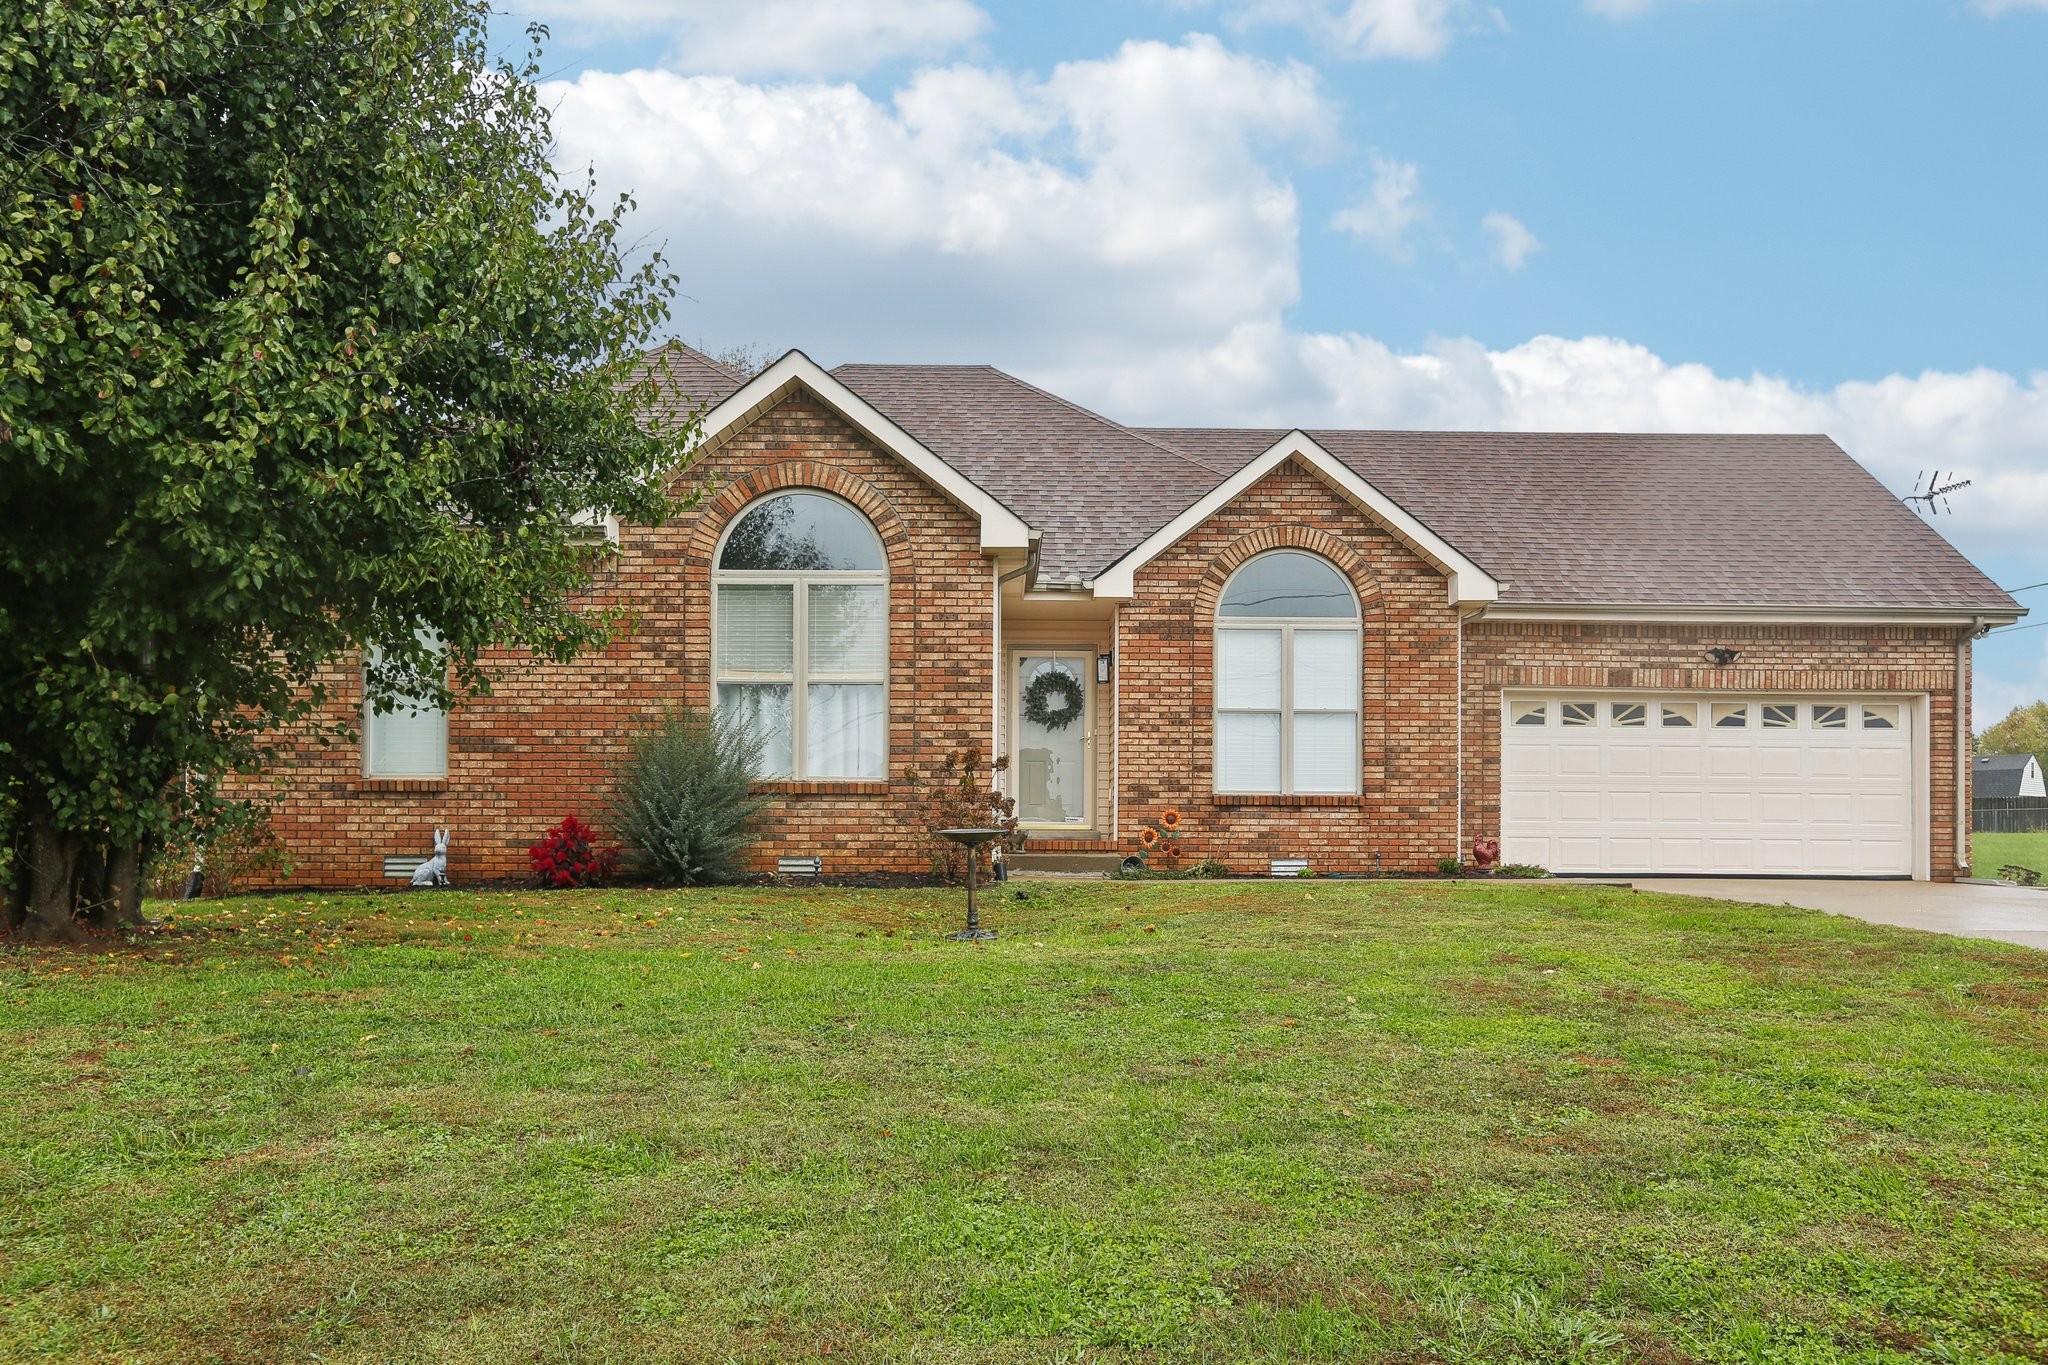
(1001, 529)
(1468, 583)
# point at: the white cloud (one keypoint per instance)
(1994, 8)
(1417, 30)
(779, 37)
(975, 212)
(1390, 208)
(1513, 244)
(1619, 9)
(1117, 232)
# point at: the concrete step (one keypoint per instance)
(1051, 860)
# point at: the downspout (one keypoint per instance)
(1458, 848)
(995, 709)
(1116, 723)
(1459, 851)
(995, 677)
(1962, 752)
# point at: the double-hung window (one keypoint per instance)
(801, 637)
(1287, 679)
(407, 735)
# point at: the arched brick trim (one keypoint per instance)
(1288, 536)
(743, 492)
(1372, 676)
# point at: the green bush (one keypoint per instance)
(1450, 867)
(685, 803)
(1520, 870)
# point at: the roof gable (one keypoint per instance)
(1467, 583)
(1001, 529)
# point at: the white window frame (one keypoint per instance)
(372, 719)
(1288, 626)
(800, 678)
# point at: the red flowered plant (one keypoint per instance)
(569, 855)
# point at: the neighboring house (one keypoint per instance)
(1617, 653)
(2011, 795)
(2008, 776)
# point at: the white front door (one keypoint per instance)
(1052, 718)
(1711, 786)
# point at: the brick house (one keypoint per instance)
(1647, 654)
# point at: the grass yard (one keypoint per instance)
(1153, 1122)
(1991, 852)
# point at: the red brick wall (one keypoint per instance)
(1406, 813)
(544, 743)
(1905, 659)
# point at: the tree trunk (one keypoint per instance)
(123, 907)
(50, 884)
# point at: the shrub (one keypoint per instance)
(685, 801)
(569, 855)
(1450, 867)
(232, 842)
(1208, 870)
(1521, 870)
(962, 795)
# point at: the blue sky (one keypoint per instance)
(1608, 214)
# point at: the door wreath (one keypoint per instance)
(1053, 699)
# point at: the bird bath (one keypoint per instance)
(973, 839)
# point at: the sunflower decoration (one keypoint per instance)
(1159, 838)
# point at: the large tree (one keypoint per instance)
(304, 350)
(2023, 731)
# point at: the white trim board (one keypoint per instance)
(1001, 529)
(1730, 616)
(1468, 583)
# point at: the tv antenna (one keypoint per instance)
(1930, 493)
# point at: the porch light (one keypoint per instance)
(1102, 668)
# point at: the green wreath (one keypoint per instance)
(1039, 695)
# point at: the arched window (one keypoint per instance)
(801, 636)
(1287, 649)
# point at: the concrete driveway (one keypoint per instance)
(2014, 914)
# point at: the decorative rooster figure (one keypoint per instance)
(434, 871)
(1485, 853)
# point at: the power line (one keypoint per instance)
(2029, 588)
(2008, 630)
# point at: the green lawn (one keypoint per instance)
(1991, 852)
(1153, 1122)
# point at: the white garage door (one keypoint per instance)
(1717, 786)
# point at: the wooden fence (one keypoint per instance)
(2009, 814)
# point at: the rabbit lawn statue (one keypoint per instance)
(434, 871)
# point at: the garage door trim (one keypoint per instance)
(1918, 785)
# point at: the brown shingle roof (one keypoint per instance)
(689, 379)
(1579, 519)
(1091, 487)
(1655, 520)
